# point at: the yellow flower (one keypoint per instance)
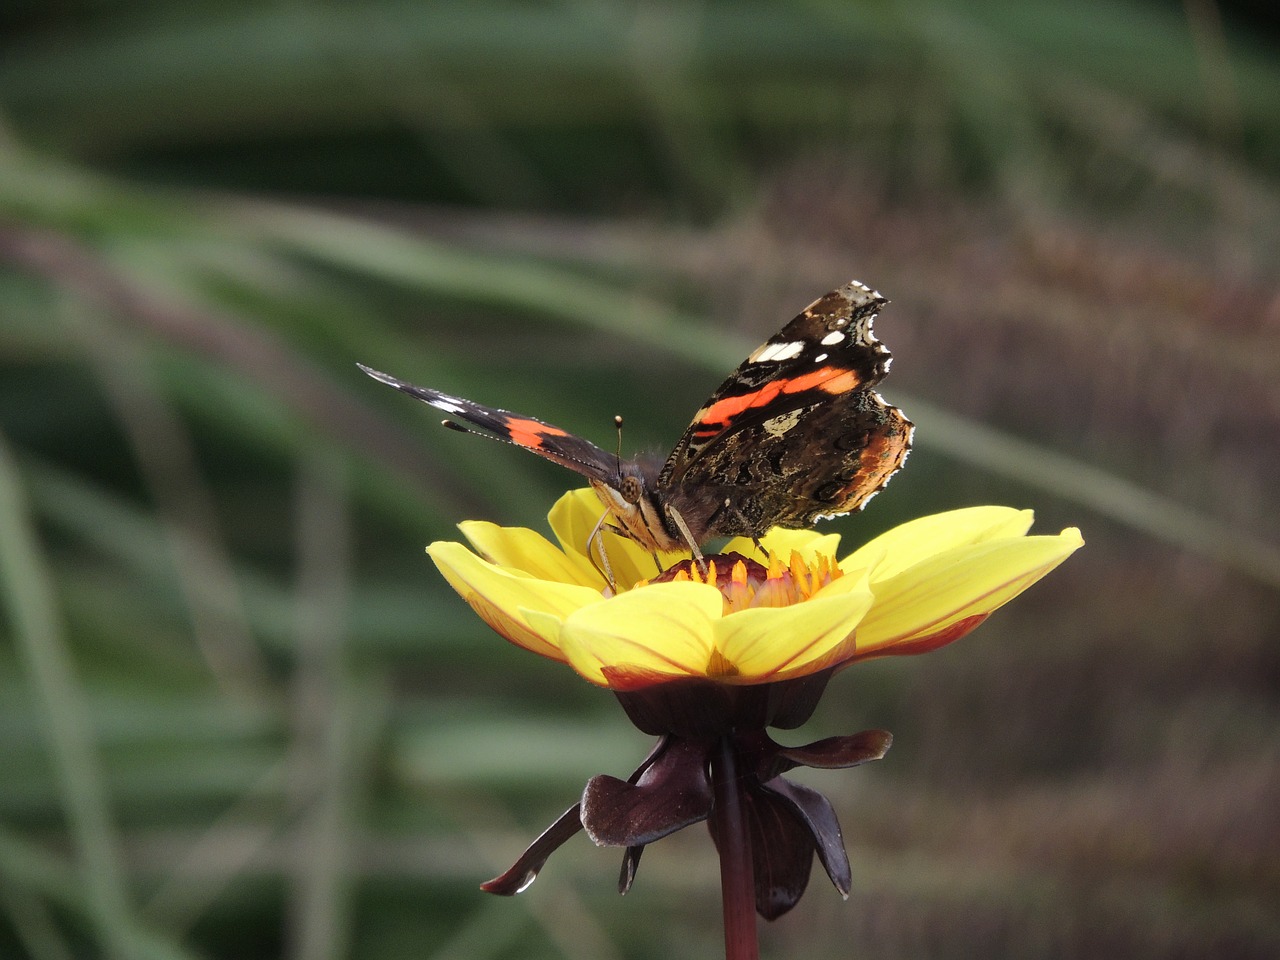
(761, 618)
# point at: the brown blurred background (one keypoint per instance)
(240, 714)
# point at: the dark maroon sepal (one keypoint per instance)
(820, 821)
(672, 792)
(704, 710)
(833, 753)
(630, 864)
(786, 823)
(781, 852)
(525, 870)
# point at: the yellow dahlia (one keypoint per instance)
(750, 617)
(708, 656)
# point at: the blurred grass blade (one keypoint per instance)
(237, 346)
(28, 866)
(220, 854)
(1106, 493)
(28, 590)
(34, 926)
(165, 454)
(490, 930)
(321, 753)
(396, 255)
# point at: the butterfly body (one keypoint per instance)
(796, 434)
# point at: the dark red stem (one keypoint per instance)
(737, 876)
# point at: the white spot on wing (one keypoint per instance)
(777, 351)
(831, 339)
(819, 358)
(448, 406)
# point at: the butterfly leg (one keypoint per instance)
(683, 527)
(744, 524)
(595, 543)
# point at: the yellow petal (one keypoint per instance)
(779, 542)
(522, 550)
(498, 596)
(895, 550)
(575, 516)
(771, 643)
(661, 630)
(966, 581)
(545, 625)
(576, 510)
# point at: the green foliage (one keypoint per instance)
(240, 715)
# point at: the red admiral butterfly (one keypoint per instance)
(796, 434)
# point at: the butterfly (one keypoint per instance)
(796, 434)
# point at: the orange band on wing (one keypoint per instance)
(828, 379)
(842, 382)
(529, 433)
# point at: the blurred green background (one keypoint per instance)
(240, 714)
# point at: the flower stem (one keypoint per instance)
(737, 877)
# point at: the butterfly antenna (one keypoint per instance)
(617, 424)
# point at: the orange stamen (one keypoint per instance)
(746, 583)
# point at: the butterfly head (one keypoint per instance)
(631, 500)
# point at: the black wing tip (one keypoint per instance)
(380, 376)
(404, 386)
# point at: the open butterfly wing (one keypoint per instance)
(544, 439)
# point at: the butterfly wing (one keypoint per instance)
(797, 432)
(544, 439)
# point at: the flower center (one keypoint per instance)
(745, 583)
